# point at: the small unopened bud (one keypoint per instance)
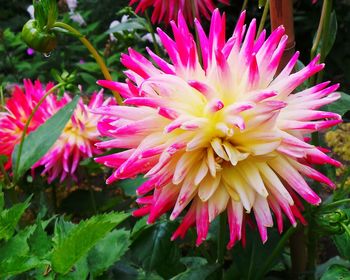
(37, 38)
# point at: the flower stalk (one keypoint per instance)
(222, 237)
(325, 35)
(263, 18)
(321, 34)
(93, 52)
(151, 30)
(3, 171)
(244, 5)
(276, 252)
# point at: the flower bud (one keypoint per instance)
(38, 39)
(331, 222)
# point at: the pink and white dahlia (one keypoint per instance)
(76, 142)
(17, 111)
(227, 135)
(167, 10)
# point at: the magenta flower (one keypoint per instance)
(225, 136)
(75, 143)
(167, 10)
(17, 111)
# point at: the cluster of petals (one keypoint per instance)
(76, 142)
(228, 133)
(167, 10)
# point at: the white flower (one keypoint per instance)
(115, 23)
(30, 10)
(148, 37)
(72, 4)
(76, 17)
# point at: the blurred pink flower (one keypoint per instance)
(167, 10)
(30, 51)
(76, 141)
(17, 111)
(225, 136)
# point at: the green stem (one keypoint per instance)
(24, 132)
(276, 252)
(346, 228)
(2, 98)
(311, 251)
(336, 203)
(222, 237)
(244, 6)
(263, 18)
(251, 264)
(319, 31)
(3, 171)
(326, 9)
(325, 36)
(93, 52)
(151, 30)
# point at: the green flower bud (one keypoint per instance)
(330, 223)
(38, 39)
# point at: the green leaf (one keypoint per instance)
(88, 78)
(38, 142)
(52, 13)
(341, 106)
(342, 241)
(154, 250)
(247, 262)
(332, 34)
(14, 257)
(197, 268)
(336, 272)
(322, 268)
(17, 265)
(73, 246)
(91, 67)
(40, 14)
(108, 251)
(17, 246)
(126, 26)
(62, 229)
(139, 226)
(9, 218)
(78, 272)
(146, 275)
(129, 186)
(262, 3)
(193, 262)
(40, 243)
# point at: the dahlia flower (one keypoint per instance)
(76, 141)
(167, 10)
(17, 111)
(226, 136)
